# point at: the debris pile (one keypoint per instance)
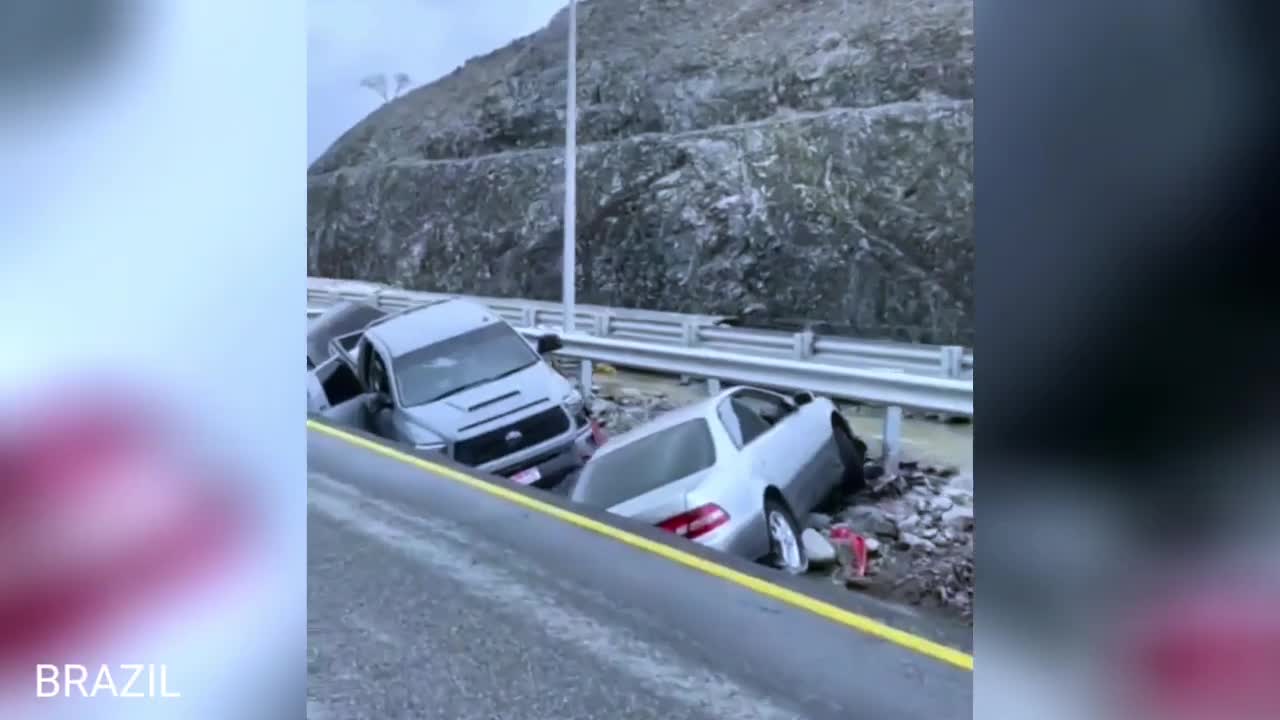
(918, 528)
(628, 408)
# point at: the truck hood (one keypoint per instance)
(470, 412)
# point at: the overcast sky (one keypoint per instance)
(350, 39)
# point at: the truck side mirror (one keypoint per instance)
(549, 343)
(804, 397)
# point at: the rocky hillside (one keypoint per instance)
(810, 156)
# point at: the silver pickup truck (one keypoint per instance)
(452, 377)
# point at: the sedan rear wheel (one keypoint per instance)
(785, 545)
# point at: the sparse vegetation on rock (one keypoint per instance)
(812, 157)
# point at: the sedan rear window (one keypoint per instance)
(646, 464)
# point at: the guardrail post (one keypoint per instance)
(529, 316)
(689, 333)
(892, 438)
(952, 361)
(586, 378)
(713, 386)
(802, 345)
(601, 324)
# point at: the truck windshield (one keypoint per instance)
(463, 361)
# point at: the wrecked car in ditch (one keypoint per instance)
(738, 471)
(449, 376)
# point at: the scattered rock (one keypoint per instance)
(817, 548)
(959, 496)
(909, 523)
(819, 521)
(908, 541)
(958, 518)
(630, 409)
(937, 484)
(889, 486)
(870, 520)
(873, 546)
(941, 504)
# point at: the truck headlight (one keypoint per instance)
(574, 404)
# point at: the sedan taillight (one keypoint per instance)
(696, 522)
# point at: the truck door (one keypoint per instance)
(378, 381)
(332, 383)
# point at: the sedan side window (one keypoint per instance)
(770, 408)
(741, 421)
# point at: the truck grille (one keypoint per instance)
(492, 445)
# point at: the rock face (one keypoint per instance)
(810, 156)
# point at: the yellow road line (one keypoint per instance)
(831, 612)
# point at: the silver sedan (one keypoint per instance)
(735, 471)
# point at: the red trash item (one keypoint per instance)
(860, 554)
(844, 536)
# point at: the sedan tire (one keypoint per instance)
(786, 548)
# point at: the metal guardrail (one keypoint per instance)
(708, 356)
(678, 330)
(872, 386)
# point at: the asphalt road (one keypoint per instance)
(431, 599)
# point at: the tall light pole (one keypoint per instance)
(570, 173)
